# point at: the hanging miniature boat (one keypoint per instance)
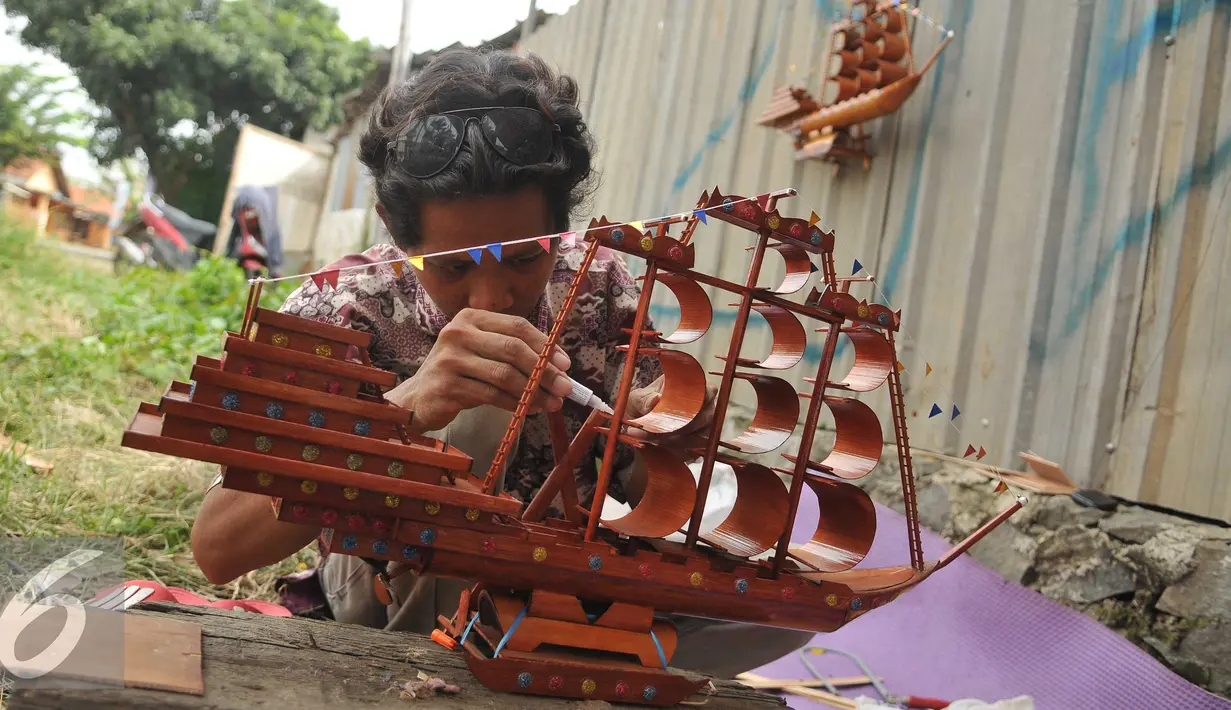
(869, 72)
(567, 606)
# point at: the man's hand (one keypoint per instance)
(481, 358)
(641, 401)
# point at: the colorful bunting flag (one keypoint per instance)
(812, 265)
(417, 262)
(397, 267)
(569, 239)
(856, 268)
(637, 225)
(1001, 487)
(331, 277)
(319, 279)
(935, 410)
(544, 242)
(813, 219)
(956, 413)
(476, 254)
(970, 449)
(982, 453)
(929, 369)
(700, 215)
(901, 366)
(495, 249)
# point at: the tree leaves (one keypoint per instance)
(32, 120)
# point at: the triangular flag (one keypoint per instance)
(397, 267)
(544, 242)
(813, 219)
(929, 369)
(476, 254)
(901, 366)
(331, 277)
(637, 225)
(495, 250)
(417, 262)
(935, 410)
(1001, 487)
(763, 201)
(857, 267)
(970, 449)
(813, 267)
(569, 239)
(319, 279)
(982, 453)
(955, 414)
(700, 215)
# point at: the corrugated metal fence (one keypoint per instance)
(1049, 209)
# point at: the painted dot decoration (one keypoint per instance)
(280, 340)
(250, 370)
(540, 554)
(379, 547)
(595, 562)
(555, 683)
(816, 236)
(797, 230)
(472, 514)
(350, 542)
(728, 206)
(316, 419)
(588, 686)
(862, 310)
(350, 493)
(230, 400)
(431, 507)
(788, 592)
(323, 350)
(646, 570)
(354, 462)
(617, 235)
(488, 546)
(308, 487)
(264, 444)
(649, 693)
(291, 378)
(675, 253)
(299, 511)
(746, 211)
(832, 600)
(741, 586)
(329, 517)
(334, 387)
(882, 318)
(395, 469)
(524, 679)
(621, 689)
(273, 410)
(773, 221)
(264, 479)
(427, 536)
(409, 552)
(647, 243)
(392, 501)
(695, 579)
(354, 521)
(311, 452)
(219, 435)
(856, 604)
(362, 427)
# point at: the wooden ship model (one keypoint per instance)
(567, 606)
(869, 72)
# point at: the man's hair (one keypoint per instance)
(470, 78)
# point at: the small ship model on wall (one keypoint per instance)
(869, 72)
(566, 606)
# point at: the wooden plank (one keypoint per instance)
(276, 390)
(340, 368)
(283, 321)
(252, 660)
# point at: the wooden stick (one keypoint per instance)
(757, 682)
(836, 701)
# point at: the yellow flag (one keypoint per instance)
(417, 262)
(929, 369)
(813, 219)
(637, 225)
(1001, 487)
(901, 366)
(397, 267)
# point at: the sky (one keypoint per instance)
(434, 24)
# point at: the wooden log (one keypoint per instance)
(252, 660)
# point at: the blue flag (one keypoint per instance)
(700, 215)
(813, 266)
(476, 254)
(495, 250)
(935, 410)
(856, 268)
(955, 413)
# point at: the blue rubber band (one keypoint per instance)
(468, 628)
(661, 656)
(509, 634)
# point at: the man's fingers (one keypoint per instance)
(521, 329)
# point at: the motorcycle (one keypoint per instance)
(162, 236)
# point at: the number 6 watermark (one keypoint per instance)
(28, 605)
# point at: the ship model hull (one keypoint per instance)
(293, 411)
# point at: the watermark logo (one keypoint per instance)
(31, 603)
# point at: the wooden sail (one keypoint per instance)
(696, 311)
(666, 503)
(683, 393)
(756, 520)
(775, 417)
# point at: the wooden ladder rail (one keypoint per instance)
(897, 404)
(536, 375)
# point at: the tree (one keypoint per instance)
(175, 79)
(33, 119)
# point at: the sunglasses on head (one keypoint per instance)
(522, 136)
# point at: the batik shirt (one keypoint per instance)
(404, 323)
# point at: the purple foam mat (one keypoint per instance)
(966, 632)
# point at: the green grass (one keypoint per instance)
(79, 349)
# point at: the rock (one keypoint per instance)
(1007, 551)
(934, 507)
(1209, 648)
(1078, 565)
(1206, 591)
(1051, 512)
(1167, 556)
(1136, 525)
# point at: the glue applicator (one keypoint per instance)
(585, 397)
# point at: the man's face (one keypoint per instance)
(511, 286)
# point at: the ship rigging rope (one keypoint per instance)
(512, 628)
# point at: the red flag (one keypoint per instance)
(1001, 487)
(970, 449)
(544, 242)
(982, 453)
(331, 277)
(319, 279)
